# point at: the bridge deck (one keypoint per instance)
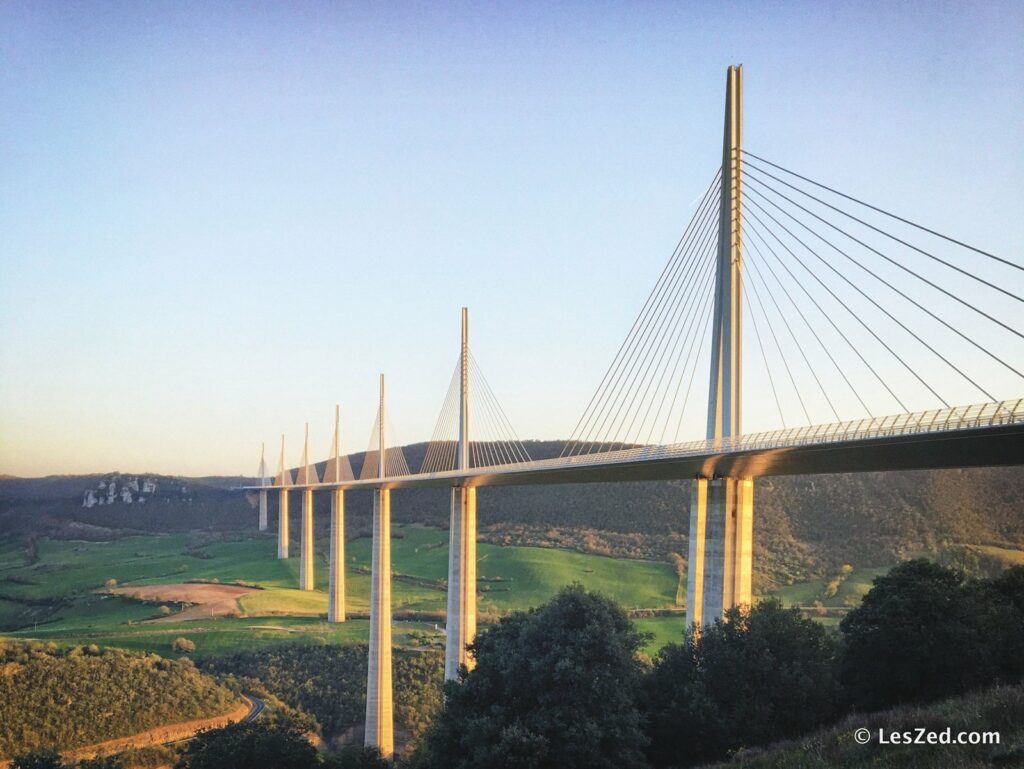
(988, 434)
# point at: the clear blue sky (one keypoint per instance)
(219, 219)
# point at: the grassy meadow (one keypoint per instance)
(60, 596)
(56, 591)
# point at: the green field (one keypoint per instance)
(60, 595)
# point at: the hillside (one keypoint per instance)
(999, 709)
(804, 526)
(86, 695)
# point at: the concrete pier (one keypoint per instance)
(306, 553)
(721, 556)
(379, 717)
(282, 525)
(336, 589)
(263, 482)
(461, 623)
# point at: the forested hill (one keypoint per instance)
(51, 698)
(803, 525)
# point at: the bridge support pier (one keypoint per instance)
(263, 510)
(336, 588)
(306, 553)
(461, 620)
(282, 526)
(721, 556)
(379, 725)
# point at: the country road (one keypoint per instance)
(256, 706)
(153, 736)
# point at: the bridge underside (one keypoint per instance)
(982, 447)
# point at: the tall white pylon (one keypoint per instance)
(379, 718)
(284, 480)
(722, 509)
(307, 477)
(336, 471)
(263, 482)
(461, 617)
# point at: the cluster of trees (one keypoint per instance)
(85, 695)
(564, 685)
(277, 743)
(329, 682)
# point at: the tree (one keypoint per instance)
(44, 758)
(761, 675)
(918, 635)
(252, 745)
(552, 687)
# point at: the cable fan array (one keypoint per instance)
(647, 394)
(854, 312)
(493, 441)
(394, 458)
(868, 312)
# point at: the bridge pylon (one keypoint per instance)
(379, 704)
(461, 616)
(722, 509)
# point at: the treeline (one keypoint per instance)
(329, 682)
(564, 686)
(53, 698)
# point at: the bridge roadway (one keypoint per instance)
(988, 434)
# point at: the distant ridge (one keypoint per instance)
(805, 526)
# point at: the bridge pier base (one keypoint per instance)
(379, 723)
(719, 568)
(263, 510)
(306, 552)
(461, 619)
(282, 525)
(336, 588)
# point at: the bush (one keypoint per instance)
(43, 758)
(183, 646)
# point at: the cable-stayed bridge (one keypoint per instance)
(877, 344)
